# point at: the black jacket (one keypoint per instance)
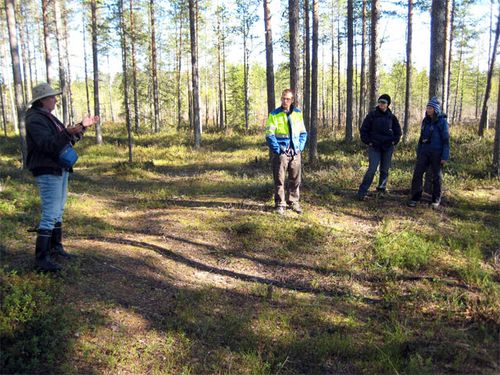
(46, 137)
(381, 129)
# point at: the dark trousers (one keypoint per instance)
(283, 165)
(376, 157)
(426, 159)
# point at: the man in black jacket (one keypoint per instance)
(380, 131)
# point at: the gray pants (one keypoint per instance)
(283, 164)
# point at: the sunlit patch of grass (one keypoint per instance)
(274, 325)
(276, 236)
(402, 248)
(113, 348)
(474, 272)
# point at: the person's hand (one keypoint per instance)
(443, 162)
(89, 121)
(72, 130)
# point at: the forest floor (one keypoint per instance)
(184, 267)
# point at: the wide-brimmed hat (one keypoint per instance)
(41, 91)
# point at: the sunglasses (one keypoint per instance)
(383, 101)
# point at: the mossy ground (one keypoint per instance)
(184, 268)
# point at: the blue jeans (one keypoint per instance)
(53, 194)
(376, 157)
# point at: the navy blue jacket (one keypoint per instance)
(381, 129)
(436, 131)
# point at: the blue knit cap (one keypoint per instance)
(434, 103)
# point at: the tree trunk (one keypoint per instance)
(477, 104)
(154, 68)
(246, 31)
(179, 76)
(450, 12)
(374, 53)
(484, 119)
(271, 99)
(28, 77)
(220, 41)
(124, 47)
(46, 41)
(406, 124)
(457, 87)
(224, 79)
(313, 143)
(332, 78)
(350, 47)
(461, 104)
(293, 21)
(110, 89)
(98, 132)
(197, 28)
(195, 76)
(438, 45)
(11, 95)
(22, 40)
(339, 92)
(355, 99)
(307, 67)
(87, 91)
(496, 145)
(71, 109)
(16, 73)
(190, 100)
(37, 50)
(134, 66)
(60, 56)
(362, 83)
(2, 108)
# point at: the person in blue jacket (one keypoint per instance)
(381, 132)
(286, 137)
(433, 150)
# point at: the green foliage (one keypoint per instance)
(402, 248)
(35, 332)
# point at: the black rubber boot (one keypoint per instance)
(42, 252)
(56, 242)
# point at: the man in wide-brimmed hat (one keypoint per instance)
(41, 91)
(47, 137)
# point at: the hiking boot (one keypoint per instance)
(361, 197)
(56, 246)
(296, 207)
(42, 252)
(412, 203)
(280, 210)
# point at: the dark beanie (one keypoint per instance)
(434, 103)
(385, 97)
